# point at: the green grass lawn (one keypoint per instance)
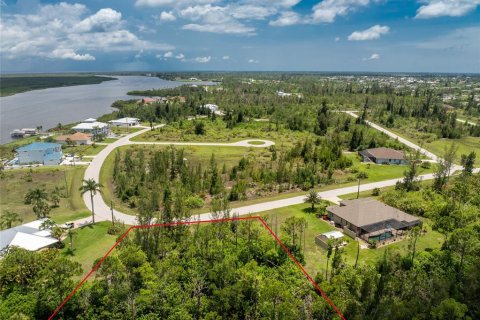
(315, 256)
(16, 183)
(86, 150)
(89, 243)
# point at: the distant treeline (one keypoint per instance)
(15, 84)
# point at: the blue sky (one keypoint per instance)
(283, 35)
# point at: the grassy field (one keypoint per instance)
(16, 183)
(315, 256)
(13, 84)
(86, 150)
(89, 243)
(217, 132)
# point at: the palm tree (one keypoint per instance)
(35, 196)
(313, 198)
(91, 186)
(8, 218)
(71, 233)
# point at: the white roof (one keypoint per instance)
(90, 120)
(125, 120)
(31, 242)
(333, 234)
(90, 125)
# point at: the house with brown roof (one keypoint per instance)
(78, 138)
(383, 156)
(371, 219)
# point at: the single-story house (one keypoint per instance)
(383, 156)
(125, 122)
(40, 152)
(27, 236)
(93, 128)
(78, 138)
(149, 100)
(370, 219)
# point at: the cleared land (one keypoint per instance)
(16, 183)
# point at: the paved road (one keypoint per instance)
(103, 212)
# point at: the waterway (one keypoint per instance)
(48, 107)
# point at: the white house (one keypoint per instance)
(27, 236)
(125, 122)
(94, 127)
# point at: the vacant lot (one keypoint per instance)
(16, 183)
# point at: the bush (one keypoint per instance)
(193, 202)
(376, 192)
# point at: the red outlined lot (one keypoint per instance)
(258, 218)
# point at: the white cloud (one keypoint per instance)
(70, 54)
(180, 56)
(450, 8)
(102, 21)
(371, 33)
(168, 54)
(139, 54)
(327, 11)
(287, 18)
(62, 31)
(171, 3)
(167, 16)
(337, 39)
(374, 56)
(202, 59)
(253, 61)
(226, 57)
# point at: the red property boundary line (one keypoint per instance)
(97, 265)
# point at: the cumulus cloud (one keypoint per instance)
(65, 31)
(450, 8)
(70, 54)
(374, 56)
(226, 57)
(202, 59)
(102, 21)
(253, 61)
(371, 33)
(286, 19)
(167, 16)
(327, 11)
(168, 54)
(180, 56)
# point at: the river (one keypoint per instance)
(48, 107)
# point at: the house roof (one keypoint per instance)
(39, 146)
(385, 153)
(333, 234)
(90, 125)
(125, 120)
(27, 236)
(368, 211)
(78, 136)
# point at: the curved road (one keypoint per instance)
(102, 210)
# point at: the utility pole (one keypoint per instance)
(111, 210)
(66, 184)
(358, 192)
